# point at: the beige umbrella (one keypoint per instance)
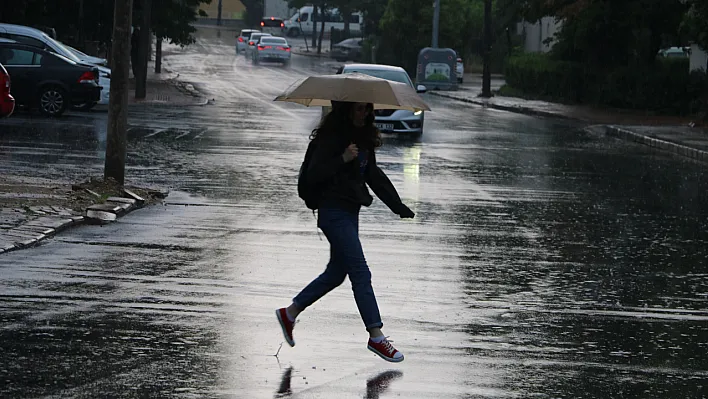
(320, 91)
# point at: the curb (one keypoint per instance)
(510, 108)
(668, 146)
(32, 233)
(610, 130)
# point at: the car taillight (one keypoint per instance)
(459, 60)
(88, 77)
(262, 24)
(251, 43)
(4, 83)
(282, 25)
(284, 48)
(240, 39)
(264, 47)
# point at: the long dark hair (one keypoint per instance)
(338, 121)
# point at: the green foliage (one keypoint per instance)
(663, 86)
(607, 32)
(695, 23)
(407, 27)
(173, 19)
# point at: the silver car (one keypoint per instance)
(391, 120)
(272, 49)
(243, 38)
(252, 43)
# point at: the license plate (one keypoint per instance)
(385, 126)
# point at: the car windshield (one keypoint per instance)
(396, 76)
(273, 40)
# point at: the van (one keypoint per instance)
(301, 23)
(274, 26)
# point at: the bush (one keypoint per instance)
(666, 86)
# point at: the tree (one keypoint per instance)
(460, 23)
(487, 73)
(606, 33)
(172, 19)
(373, 11)
(695, 23)
(254, 11)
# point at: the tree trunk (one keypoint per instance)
(347, 15)
(118, 108)
(487, 72)
(143, 52)
(314, 16)
(322, 29)
(158, 55)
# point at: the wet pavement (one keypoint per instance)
(545, 260)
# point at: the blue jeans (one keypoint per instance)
(341, 228)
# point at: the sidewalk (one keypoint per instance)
(670, 133)
(166, 89)
(35, 208)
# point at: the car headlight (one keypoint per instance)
(416, 113)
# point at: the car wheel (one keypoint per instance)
(52, 101)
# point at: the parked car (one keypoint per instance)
(675, 52)
(347, 50)
(7, 102)
(48, 81)
(243, 38)
(391, 120)
(104, 78)
(37, 38)
(272, 49)
(253, 42)
(274, 26)
(460, 69)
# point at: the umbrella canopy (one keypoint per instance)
(320, 91)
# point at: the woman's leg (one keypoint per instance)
(342, 231)
(331, 278)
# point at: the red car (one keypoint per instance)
(7, 103)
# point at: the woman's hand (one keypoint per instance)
(351, 153)
(406, 213)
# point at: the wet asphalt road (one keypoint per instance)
(544, 261)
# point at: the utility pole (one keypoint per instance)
(218, 15)
(436, 22)
(486, 72)
(143, 51)
(118, 108)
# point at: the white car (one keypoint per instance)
(272, 49)
(104, 75)
(252, 43)
(392, 120)
(243, 38)
(460, 70)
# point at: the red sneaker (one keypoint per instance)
(286, 325)
(385, 350)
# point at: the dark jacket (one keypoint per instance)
(342, 184)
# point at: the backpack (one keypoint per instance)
(306, 191)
